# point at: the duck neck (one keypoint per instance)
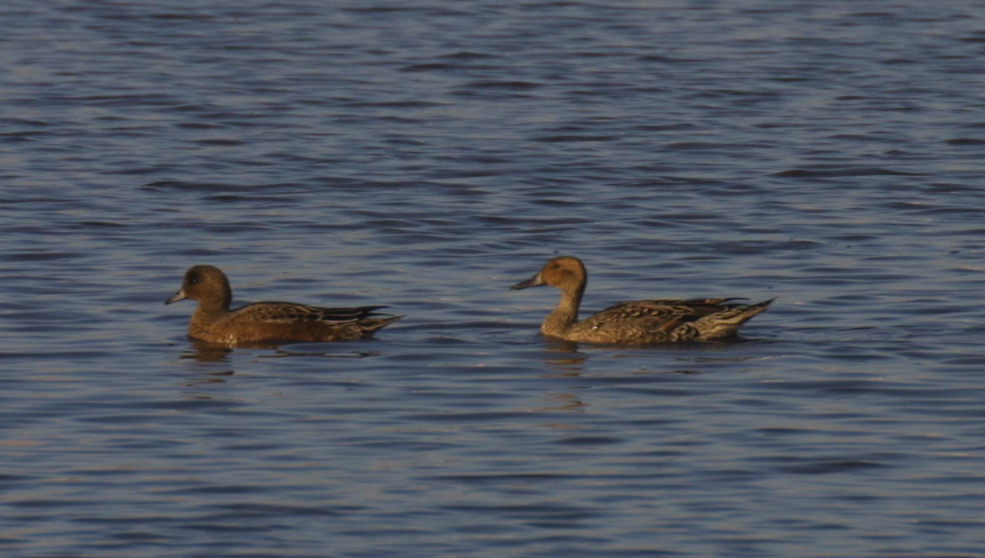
(218, 304)
(565, 314)
(208, 312)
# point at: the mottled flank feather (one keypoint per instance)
(264, 322)
(294, 313)
(636, 322)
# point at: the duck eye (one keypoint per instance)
(193, 279)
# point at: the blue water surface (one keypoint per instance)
(426, 155)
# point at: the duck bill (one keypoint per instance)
(180, 295)
(534, 281)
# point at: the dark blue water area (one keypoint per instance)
(427, 155)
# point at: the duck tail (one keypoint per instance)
(370, 325)
(727, 323)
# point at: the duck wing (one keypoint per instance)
(294, 313)
(665, 310)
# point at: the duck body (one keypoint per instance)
(264, 322)
(639, 322)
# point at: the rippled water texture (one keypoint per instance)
(426, 155)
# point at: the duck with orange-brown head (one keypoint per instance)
(639, 322)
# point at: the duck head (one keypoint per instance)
(564, 272)
(206, 284)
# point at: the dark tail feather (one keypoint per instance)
(346, 314)
(754, 309)
(727, 323)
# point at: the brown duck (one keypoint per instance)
(263, 322)
(638, 322)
